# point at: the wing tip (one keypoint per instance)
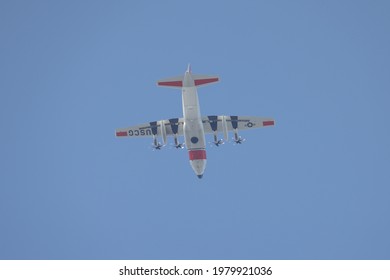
(269, 123)
(121, 133)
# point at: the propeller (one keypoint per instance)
(218, 142)
(157, 146)
(179, 146)
(238, 140)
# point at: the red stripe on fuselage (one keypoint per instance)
(197, 154)
(266, 123)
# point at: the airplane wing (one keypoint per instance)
(214, 124)
(211, 124)
(157, 128)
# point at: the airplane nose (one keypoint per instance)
(198, 166)
(198, 161)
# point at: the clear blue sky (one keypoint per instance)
(315, 186)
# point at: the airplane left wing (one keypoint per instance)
(155, 128)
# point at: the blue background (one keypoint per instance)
(315, 186)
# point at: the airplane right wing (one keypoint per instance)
(213, 124)
(224, 124)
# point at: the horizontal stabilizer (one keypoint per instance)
(171, 82)
(200, 80)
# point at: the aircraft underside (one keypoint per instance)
(192, 125)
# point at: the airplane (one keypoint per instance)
(193, 126)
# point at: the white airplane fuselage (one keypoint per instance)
(193, 128)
